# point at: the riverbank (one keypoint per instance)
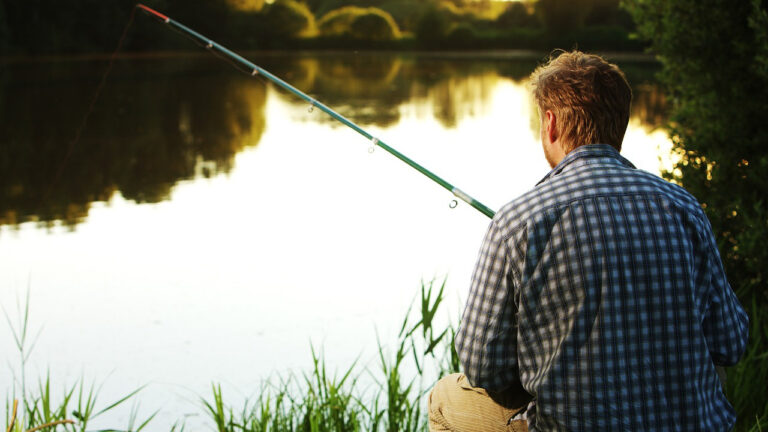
(485, 54)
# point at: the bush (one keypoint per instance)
(406, 13)
(599, 37)
(563, 16)
(371, 24)
(5, 34)
(245, 5)
(375, 25)
(462, 36)
(338, 21)
(432, 26)
(290, 19)
(516, 16)
(608, 13)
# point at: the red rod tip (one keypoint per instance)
(152, 11)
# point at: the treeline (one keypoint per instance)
(30, 27)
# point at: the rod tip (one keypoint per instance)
(151, 11)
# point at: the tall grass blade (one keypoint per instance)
(118, 402)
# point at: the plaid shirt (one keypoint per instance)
(602, 292)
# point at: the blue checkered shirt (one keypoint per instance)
(602, 292)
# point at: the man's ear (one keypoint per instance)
(551, 126)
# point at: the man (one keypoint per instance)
(599, 300)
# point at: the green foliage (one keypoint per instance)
(322, 7)
(330, 401)
(375, 25)
(319, 402)
(747, 379)
(563, 16)
(608, 13)
(39, 409)
(516, 15)
(290, 19)
(462, 35)
(246, 5)
(714, 70)
(337, 21)
(432, 26)
(5, 34)
(367, 24)
(325, 401)
(40, 27)
(406, 12)
(596, 38)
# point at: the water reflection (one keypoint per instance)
(373, 88)
(160, 121)
(649, 105)
(365, 87)
(157, 122)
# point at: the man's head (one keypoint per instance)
(582, 99)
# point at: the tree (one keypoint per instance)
(563, 16)
(374, 25)
(608, 13)
(246, 5)
(366, 24)
(715, 71)
(432, 26)
(462, 35)
(290, 19)
(5, 34)
(516, 15)
(406, 12)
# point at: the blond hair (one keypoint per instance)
(589, 97)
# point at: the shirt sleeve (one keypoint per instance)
(487, 337)
(725, 324)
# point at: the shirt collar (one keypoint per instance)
(589, 151)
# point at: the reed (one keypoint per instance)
(40, 409)
(387, 396)
(321, 400)
(749, 377)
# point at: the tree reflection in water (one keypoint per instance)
(162, 120)
(157, 122)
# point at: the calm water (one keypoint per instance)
(208, 227)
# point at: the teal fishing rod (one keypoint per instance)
(255, 70)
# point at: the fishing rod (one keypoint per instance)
(256, 70)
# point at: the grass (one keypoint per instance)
(41, 410)
(746, 382)
(387, 397)
(321, 400)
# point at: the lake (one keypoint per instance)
(206, 226)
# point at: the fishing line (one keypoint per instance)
(248, 67)
(89, 111)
